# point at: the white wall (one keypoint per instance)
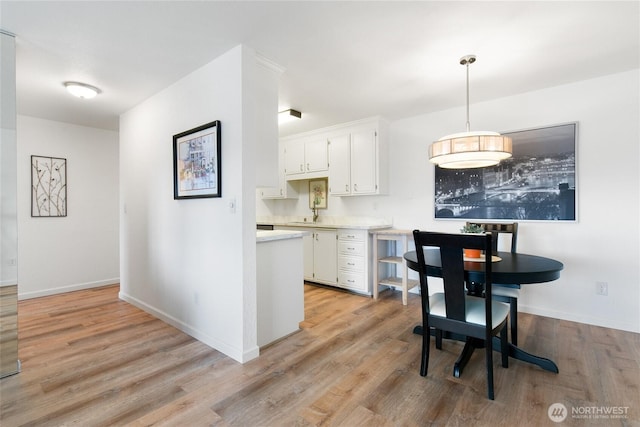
(193, 262)
(62, 254)
(603, 245)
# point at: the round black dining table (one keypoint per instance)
(512, 268)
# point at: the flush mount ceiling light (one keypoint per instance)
(470, 149)
(81, 90)
(288, 116)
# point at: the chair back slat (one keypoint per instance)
(453, 279)
(497, 228)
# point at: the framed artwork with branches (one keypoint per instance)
(48, 186)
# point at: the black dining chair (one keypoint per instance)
(455, 311)
(504, 292)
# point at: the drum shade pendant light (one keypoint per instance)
(468, 149)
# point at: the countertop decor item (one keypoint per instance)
(473, 229)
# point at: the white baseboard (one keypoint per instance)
(68, 288)
(589, 320)
(231, 351)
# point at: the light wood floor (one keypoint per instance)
(90, 359)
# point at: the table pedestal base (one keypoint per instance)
(472, 343)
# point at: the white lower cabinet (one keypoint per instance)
(353, 263)
(320, 256)
(340, 258)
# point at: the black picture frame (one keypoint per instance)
(539, 183)
(197, 162)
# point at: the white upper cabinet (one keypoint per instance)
(340, 165)
(284, 189)
(294, 157)
(316, 155)
(353, 155)
(358, 160)
(306, 158)
(364, 161)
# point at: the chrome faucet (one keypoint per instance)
(315, 211)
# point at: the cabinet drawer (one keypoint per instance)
(351, 235)
(353, 281)
(351, 263)
(351, 248)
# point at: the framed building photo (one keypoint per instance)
(538, 183)
(48, 186)
(318, 193)
(196, 162)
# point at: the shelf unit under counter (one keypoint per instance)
(389, 259)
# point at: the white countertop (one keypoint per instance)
(270, 235)
(362, 223)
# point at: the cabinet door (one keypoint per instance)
(325, 256)
(294, 157)
(307, 249)
(285, 189)
(364, 162)
(339, 165)
(316, 155)
(278, 192)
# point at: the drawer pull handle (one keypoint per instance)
(351, 281)
(351, 263)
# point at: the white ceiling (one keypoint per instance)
(343, 60)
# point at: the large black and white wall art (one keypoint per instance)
(538, 183)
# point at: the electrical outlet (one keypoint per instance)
(602, 288)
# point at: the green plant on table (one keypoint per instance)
(472, 228)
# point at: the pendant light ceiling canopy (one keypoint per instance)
(468, 149)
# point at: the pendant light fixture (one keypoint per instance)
(468, 149)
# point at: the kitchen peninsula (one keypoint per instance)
(337, 250)
(280, 293)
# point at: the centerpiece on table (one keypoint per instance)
(474, 229)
